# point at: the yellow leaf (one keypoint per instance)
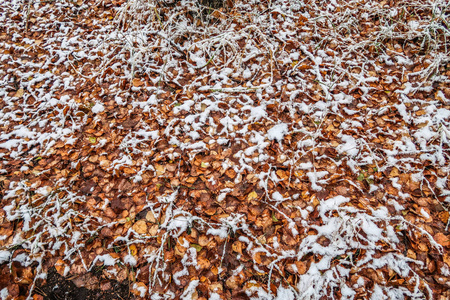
(133, 250)
(197, 247)
(19, 93)
(252, 196)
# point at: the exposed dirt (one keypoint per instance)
(275, 149)
(57, 287)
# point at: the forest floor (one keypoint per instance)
(262, 150)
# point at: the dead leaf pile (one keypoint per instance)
(258, 150)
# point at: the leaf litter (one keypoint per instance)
(263, 149)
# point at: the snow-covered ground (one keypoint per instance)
(269, 150)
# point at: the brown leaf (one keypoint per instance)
(160, 169)
(442, 239)
(60, 266)
(261, 258)
(301, 267)
(137, 82)
(203, 240)
(139, 289)
(88, 187)
(203, 263)
(19, 93)
(237, 247)
(130, 123)
(447, 259)
(140, 227)
(216, 287)
(394, 172)
(233, 282)
(230, 173)
(128, 171)
(153, 231)
(283, 174)
(150, 217)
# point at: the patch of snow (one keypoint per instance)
(98, 108)
(277, 132)
(4, 256)
(130, 260)
(141, 289)
(4, 293)
(285, 294)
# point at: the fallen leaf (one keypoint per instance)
(203, 240)
(140, 227)
(133, 250)
(60, 266)
(153, 231)
(233, 282)
(139, 289)
(197, 247)
(203, 263)
(150, 217)
(237, 247)
(252, 196)
(442, 239)
(137, 82)
(160, 169)
(19, 93)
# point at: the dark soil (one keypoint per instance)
(59, 288)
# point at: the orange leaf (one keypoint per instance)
(137, 82)
(442, 239)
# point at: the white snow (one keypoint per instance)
(277, 132)
(350, 147)
(130, 260)
(285, 293)
(314, 178)
(4, 256)
(107, 259)
(4, 293)
(98, 108)
(141, 289)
